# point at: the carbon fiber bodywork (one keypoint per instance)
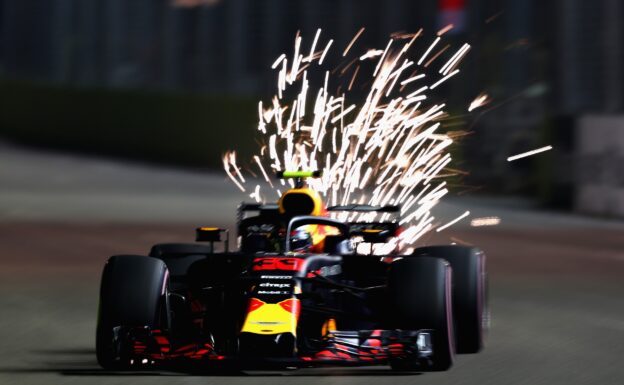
(265, 305)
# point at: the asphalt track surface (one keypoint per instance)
(556, 280)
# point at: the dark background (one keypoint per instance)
(114, 115)
(158, 79)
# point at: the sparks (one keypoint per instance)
(325, 52)
(451, 223)
(440, 52)
(385, 149)
(445, 30)
(229, 164)
(479, 101)
(434, 85)
(278, 61)
(529, 153)
(424, 56)
(455, 59)
(485, 221)
(413, 78)
(256, 194)
(460, 241)
(371, 53)
(344, 53)
(316, 37)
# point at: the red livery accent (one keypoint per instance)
(254, 304)
(161, 340)
(325, 354)
(451, 5)
(277, 263)
(292, 306)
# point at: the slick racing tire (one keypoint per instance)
(470, 306)
(420, 298)
(132, 294)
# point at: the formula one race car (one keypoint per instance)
(296, 294)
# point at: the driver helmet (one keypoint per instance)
(300, 241)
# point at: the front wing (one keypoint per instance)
(340, 347)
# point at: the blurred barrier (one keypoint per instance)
(600, 165)
(183, 129)
(554, 172)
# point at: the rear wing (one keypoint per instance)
(373, 232)
(272, 207)
(268, 211)
(366, 208)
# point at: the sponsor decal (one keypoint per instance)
(272, 292)
(277, 263)
(325, 271)
(275, 277)
(278, 285)
(330, 270)
(262, 229)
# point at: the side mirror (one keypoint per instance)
(212, 235)
(375, 232)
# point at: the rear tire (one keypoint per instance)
(132, 294)
(420, 297)
(470, 305)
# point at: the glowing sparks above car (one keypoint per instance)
(384, 150)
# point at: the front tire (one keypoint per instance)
(470, 302)
(132, 294)
(420, 297)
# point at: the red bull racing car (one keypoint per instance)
(296, 293)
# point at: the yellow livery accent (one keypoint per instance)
(304, 198)
(272, 318)
(328, 326)
(300, 174)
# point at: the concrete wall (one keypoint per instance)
(600, 165)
